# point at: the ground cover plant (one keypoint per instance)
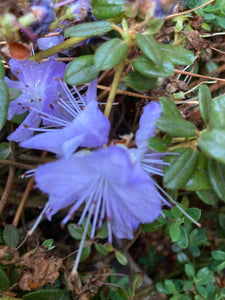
(112, 149)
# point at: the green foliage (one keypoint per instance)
(81, 70)
(4, 100)
(4, 150)
(110, 54)
(205, 100)
(11, 236)
(139, 82)
(89, 29)
(104, 9)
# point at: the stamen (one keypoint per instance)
(178, 206)
(51, 118)
(30, 232)
(152, 170)
(74, 270)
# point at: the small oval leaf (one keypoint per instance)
(46, 294)
(110, 54)
(205, 100)
(4, 150)
(139, 82)
(217, 177)
(217, 114)
(121, 258)
(175, 232)
(156, 144)
(4, 101)
(181, 169)
(81, 70)
(4, 281)
(89, 29)
(104, 9)
(75, 231)
(212, 143)
(149, 47)
(11, 236)
(148, 68)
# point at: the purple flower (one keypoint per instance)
(39, 91)
(81, 124)
(106, 180)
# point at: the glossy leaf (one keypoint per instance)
(190, 271)
(148, 68)
(175, 232)
(102, 249)
(11, 236)
(208, 196)
(4, 100)
(86, 251)
(121, 258)
(217, 114)
(212, 143)
(177, 55)
(200, 179)
(218, 255)
(139, 82)
(88, 29)
(46, 294)
(149, 47)
(183, 240)
(217, 177)
(104, 9)
(81, 70)
(181, 169)
(2, 71)
(157, 144)
(75, 231)
(4, 150)
(110, 54)
(137, 281)
(176, 126)
(205, 100)
(4, 281)
(169, 108)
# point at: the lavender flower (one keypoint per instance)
(39, 90)
(81, 124)
(109, 186)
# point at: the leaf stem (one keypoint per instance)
(58, 48)
(115, 84)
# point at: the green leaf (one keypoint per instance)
(194, 213)
(156, 144)
(149, 47)
(148, 68)
(183, 240)
(2, 71)
(151, 227)
(190, 271)
(202, 291)
(154, 25)
(4, 101)
(208, 196)
(175, 232)
(121, 258)
(4, 150)
(88, 29)
(212, 143)
(200, 179)
(161, 289)
(169, 108)
(137, 281)
(176, 126)
(86, 251)
(217, 178)
(204, 276)
(105, 9)
(103, 249)
(181, 169)
(81, 70)
(110, 54)
(4, 281)
(205, 100)
(139, 82)
(218, 255)
(217, 114)
(169, 285)
(103, 231)
(75, 231)
(177, 55)
(47, 294)
(11, 236)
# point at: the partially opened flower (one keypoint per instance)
(81, 124)
(39, 90)
(107, 183)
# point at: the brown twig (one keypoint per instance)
(197, 75)
(25, 196)
(17, 164)
(7, 189)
